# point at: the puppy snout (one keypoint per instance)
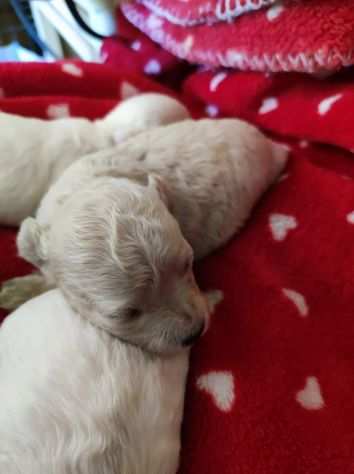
(195, 311)
(194, 336)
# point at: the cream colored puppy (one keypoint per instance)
(34, 153)
(120, 259)
(76, 400)
(208, 176)
(106, 234)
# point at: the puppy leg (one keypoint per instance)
(213, 297)
(17, 291)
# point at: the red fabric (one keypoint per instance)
(203, 11)
(292, 105)
(270, 385)
(305, 36)
(135, 52)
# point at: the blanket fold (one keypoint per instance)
(313, 36)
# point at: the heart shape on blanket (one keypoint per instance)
(268, 105)
(298, 300)
(274, 12)
(350, 217)
(221, 387)
(311, 397)
(72, 69)
(325, 106)
(281, 224)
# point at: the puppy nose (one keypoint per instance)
(189, 340)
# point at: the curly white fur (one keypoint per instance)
(106, 234)
(210, 173)
(209, 185)
(76, 400)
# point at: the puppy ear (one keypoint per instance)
(155, 182)
(32, 242)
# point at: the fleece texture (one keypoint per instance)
(270, 388)
(314, 36)
(195, 12)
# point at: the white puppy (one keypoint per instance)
(209, 176)
(73, 398)
(120, 259)
(209, 173)
(76, 400)
(34, 153)
(106, 234)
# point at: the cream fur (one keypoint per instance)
(210, 186)
(115, 248)
(75, 400)
(114, 233)
(211, 173)
(34, 153)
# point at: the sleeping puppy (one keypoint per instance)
(120, 259)
(106, 234)
(206, 174)
(74, 398)
(34, 153)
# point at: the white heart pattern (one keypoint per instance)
(152, 67)
(136, 45)
(72, 69)
(268, 105)
(281, 224)
(298, 300)
(311, 397)
(221, 387)
(325, 106)
(212, 110)
(216, 80)
(274, 12)
(350, 217)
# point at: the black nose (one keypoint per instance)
(189, 340)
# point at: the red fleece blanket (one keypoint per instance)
(293, 35)
(271, 384)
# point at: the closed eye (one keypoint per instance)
(133, 313)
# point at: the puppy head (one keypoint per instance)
(119, 257)
(142, 112)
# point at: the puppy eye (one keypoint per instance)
(133, 313)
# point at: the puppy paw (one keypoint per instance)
(15, 292)
(214, 297)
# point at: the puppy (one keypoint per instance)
(34, 153)
(207, 174)
(74, 398)
(106, 234)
